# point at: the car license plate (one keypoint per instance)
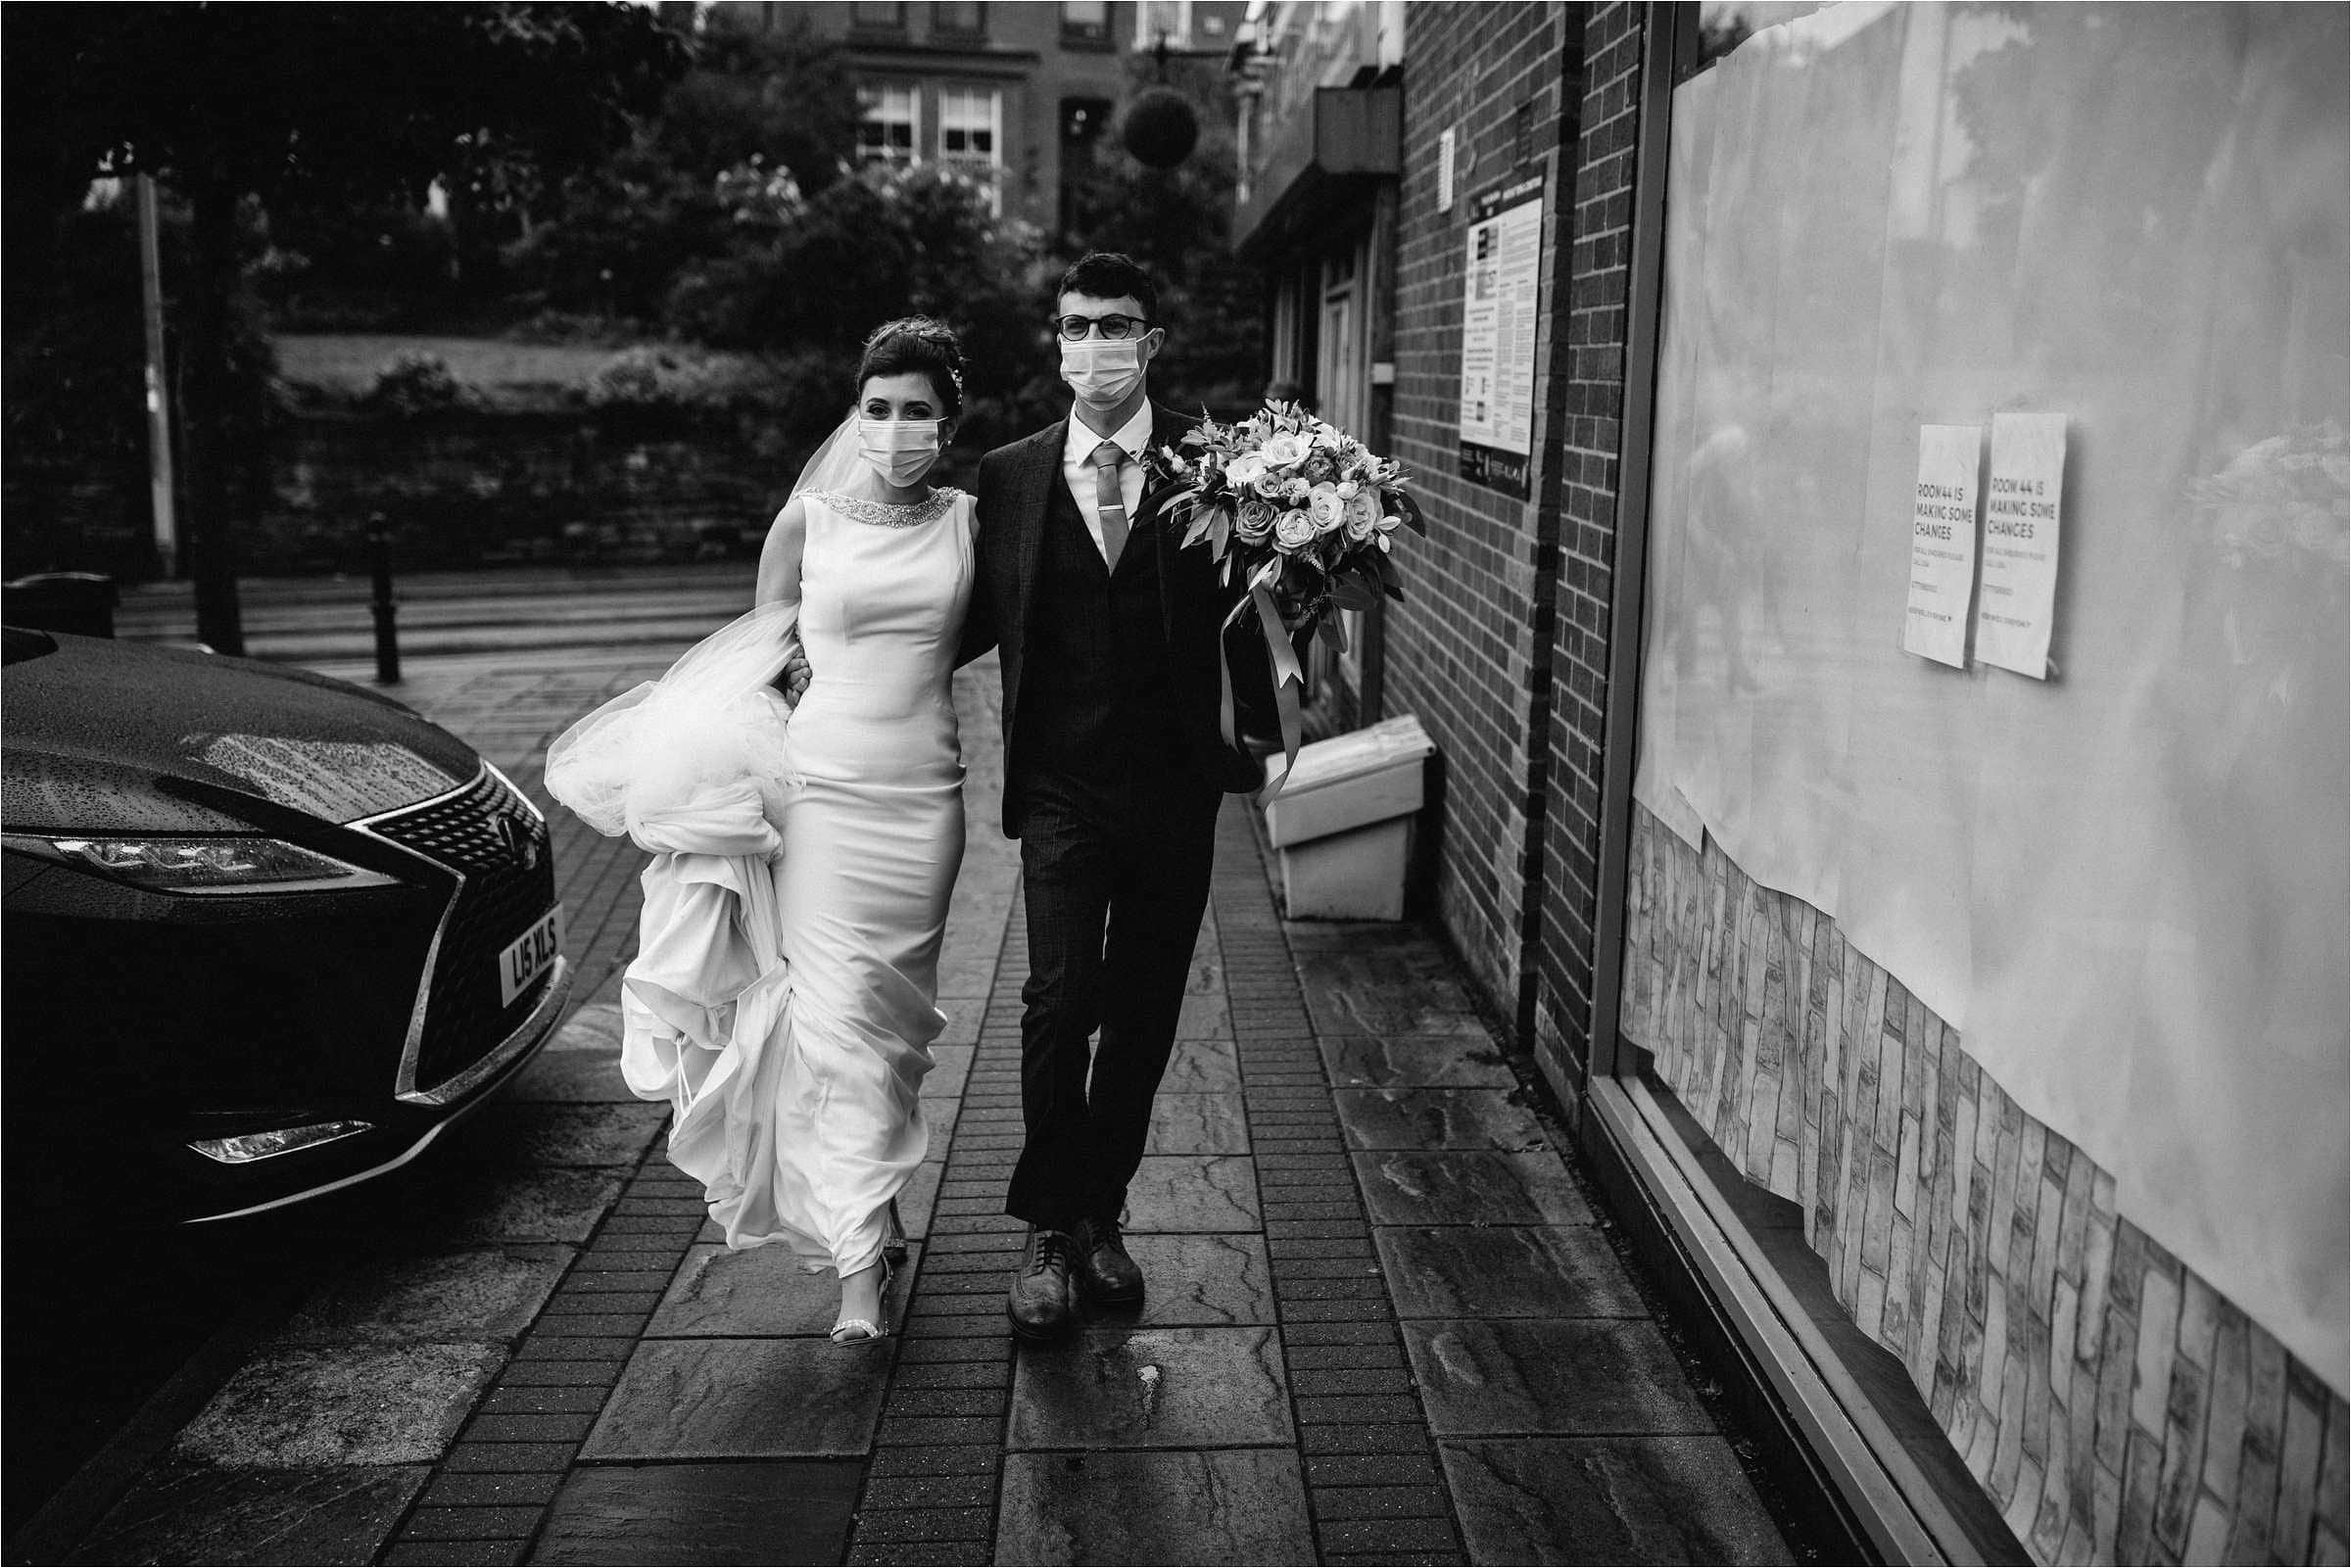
(529, 956)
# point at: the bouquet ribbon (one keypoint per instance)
(1289, 681)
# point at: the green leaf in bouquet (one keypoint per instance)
(1410, 510)
(1329, 629)
(1355, 589)
(1391, 584)
(1219, 530)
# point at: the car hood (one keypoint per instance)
(114, 737)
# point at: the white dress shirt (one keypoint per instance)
(1077, 469)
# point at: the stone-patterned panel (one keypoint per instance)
(2110, 1401)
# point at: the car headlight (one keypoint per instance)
(237, 864)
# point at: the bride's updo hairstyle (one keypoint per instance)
(918, 345)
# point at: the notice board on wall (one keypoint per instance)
(1501, 303)
(2112, 851)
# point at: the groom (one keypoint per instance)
(1114, 764)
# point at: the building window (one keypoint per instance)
(876, 15)
(1083, 119)
(959, 18)
(1085, 21)
(1168, 20)
(970, 133)
(887, 130)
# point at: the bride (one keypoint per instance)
(782, 998)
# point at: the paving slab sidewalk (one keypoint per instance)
(1383, 1326)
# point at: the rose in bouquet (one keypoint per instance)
(1303, 517)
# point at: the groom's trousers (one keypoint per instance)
(1115, 875)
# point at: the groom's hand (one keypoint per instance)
(793, 680)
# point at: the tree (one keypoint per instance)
(321, 103)
(810, 278)
(1178, 223)
(783, 99)
(758, 110)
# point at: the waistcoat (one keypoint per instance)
(1100, 693)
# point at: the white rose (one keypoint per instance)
(1244, 470)
(1296, 491)
(1294, 529)
(1363, 516)
(1325, 507)
(1282, 451)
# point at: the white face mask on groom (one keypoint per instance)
(1101, 371)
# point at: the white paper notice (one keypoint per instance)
(1942, 543)
(1501, 305)
(2020, 542)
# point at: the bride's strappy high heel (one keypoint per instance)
(864, 1330)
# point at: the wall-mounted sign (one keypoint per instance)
(2018, 601)
(1501, 298)
(1942, 543)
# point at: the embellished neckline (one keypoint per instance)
(889, 513)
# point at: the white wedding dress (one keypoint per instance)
(783, 994)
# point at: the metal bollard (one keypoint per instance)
(387, 629)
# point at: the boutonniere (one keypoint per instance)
(1159, 465)
(1162, 476)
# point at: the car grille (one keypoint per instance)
(476, 834)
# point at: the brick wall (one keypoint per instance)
(1593, 403)
(1468, 650)
(2114, 1405)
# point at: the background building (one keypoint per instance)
(1015, 93)
(1320, 144)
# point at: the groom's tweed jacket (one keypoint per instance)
(1102, 668)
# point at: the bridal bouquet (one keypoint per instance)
(1303, 516)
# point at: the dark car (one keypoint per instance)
(263, 935)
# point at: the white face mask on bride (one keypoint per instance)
(900, 451)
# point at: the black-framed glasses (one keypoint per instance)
(1116, 328)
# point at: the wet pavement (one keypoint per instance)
(1385, 1323)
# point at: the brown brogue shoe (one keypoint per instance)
(1105, 1272)
(1042, 1305)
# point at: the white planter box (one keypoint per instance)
(1343, 822)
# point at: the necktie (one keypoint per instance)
(1107, 459)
